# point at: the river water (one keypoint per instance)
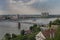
(11, 27)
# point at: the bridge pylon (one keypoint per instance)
(19, 25)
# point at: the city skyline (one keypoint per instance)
(29, 6)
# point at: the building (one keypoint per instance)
(54, 26)
(45, 33)
(44, 14)
(14, 17)
(28, 32)
(49, 33)
(40, 36)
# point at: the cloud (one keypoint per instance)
(47, 5)
(2, 12)
(21, 8)
(43, 0)
(23, 2)
(55, 11)
(32, 6)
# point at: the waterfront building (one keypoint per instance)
(44, 14)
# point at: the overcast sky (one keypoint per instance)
(29, 6)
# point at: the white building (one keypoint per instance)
(44, 14)
(40, 36)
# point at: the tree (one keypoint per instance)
(24, 37)
(22, 32)
(7, 36)
(21, 37)
(38, 29)
(31, 37)
(14, 36)
(56, 22)
(50, 23)
(35, 25)
(31, 28)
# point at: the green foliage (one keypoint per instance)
(50, 23)
(22, 32)
(7, 36)
(31, 28)
(22, 37)
(35, 25)
(14, 36)
(25, 37)
(35, 29)
(56, 22)
(57, 36)
(31, 37)
(18, 38)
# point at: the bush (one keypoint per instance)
(7, 36)
(14, 36)
(22, 32)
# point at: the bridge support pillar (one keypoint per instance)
(19, 25)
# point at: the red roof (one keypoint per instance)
(27, 31)
(47, 33)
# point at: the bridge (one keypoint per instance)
(33, 22)
(19, 22)
(16, 18)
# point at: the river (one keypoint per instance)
(11, 27)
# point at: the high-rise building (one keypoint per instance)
(44, 14)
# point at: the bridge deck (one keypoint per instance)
(21, 22)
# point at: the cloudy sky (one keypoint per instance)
(29, 6)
